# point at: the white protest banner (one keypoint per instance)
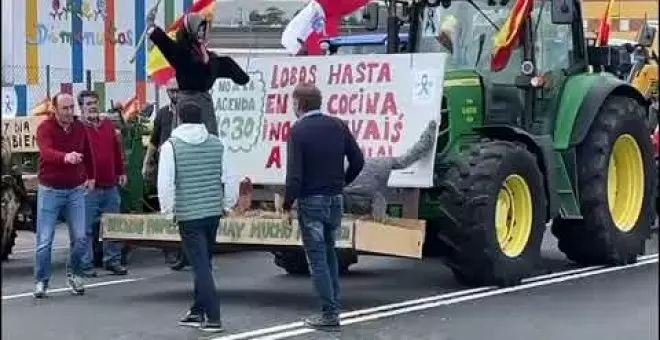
(21, 132)
(386, 100)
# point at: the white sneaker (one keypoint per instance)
(40, 290)
(76, 284)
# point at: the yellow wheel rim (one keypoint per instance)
(513, 215)
(625, 183)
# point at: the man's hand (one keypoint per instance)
(228, 212)
(90, 184)
(122, 180)
(73, 158)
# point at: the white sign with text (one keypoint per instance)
(386, 101)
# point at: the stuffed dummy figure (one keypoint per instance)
(371, 184)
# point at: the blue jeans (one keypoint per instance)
(198, 239)
(98, 201)
(50, 204)
(319, 218)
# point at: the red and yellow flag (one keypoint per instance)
(44, 107)
(507, 37)
(157, 66)
(605, 25)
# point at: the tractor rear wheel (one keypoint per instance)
(294, 262)
(494, 201)
(10, 206)
(617, 180)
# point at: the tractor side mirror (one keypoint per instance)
(646, 35)
(370, 16)
(563, 12)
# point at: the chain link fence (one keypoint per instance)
(24, 88)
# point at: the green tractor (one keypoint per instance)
(548, 139)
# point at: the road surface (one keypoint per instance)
(383, 298)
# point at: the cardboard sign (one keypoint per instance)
(233, 230)
(397, 237)
(386, 101)
(21, 132)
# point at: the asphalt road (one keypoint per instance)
(384, 298)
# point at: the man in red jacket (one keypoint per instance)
(66, 172)
(105, 197)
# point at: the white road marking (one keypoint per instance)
(25, 251)
(60, 290)
(293, 329)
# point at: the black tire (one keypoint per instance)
(10, 206)
(294, 262)
(596, 239)
(469, 195)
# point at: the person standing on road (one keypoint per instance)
(190, 190)
(196, 67)
(315, 177)
(166, 120)
(66, 172)
(110, 174)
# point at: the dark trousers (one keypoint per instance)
(198, 239)
(320, 218)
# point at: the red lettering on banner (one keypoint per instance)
(277, 131)
(377, 151)
(275, 158)
(361, 102)
(373, 130)
(284, 76)
(277, 103)
(362, 72)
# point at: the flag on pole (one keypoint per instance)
(318, 20)
(605, 25)
(507, 38)
(158, 68)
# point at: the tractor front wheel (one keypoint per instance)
(616, 177)
(494, 202)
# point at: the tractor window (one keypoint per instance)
(554, 43)
(456, 30)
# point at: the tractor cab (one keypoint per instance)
(360, 44)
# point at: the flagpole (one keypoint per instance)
(144, 34)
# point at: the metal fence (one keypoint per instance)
(32, 85)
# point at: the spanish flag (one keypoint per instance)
(157, 66)
(44, 107)
(605, 24)
(506, 38)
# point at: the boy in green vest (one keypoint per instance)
(190, 190)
